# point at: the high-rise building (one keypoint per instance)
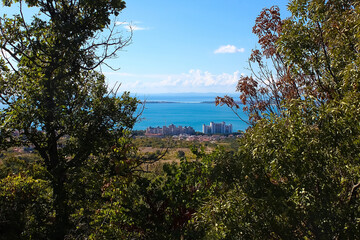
(214, 128)
(171, 130)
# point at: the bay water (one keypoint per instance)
(185, 109)
(192, 110)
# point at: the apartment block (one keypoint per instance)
(215, 128)
(171, 130)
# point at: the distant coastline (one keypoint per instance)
(202, 102)
(206, 102)
(158, 102)
(180, 97)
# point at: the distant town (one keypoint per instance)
(171, 130)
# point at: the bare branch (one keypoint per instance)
(111, 41)
(353, 192)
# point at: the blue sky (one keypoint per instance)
(184, 46)
(187, 46)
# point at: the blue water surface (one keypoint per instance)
(185, 110)
(188, 114)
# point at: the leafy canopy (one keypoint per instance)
(55, 99)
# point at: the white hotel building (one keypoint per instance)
(214, 128)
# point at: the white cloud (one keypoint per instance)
(121, 23)
(131, 26)
(134, 28)
(229, 49)
(193, 81)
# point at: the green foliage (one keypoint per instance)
(181, 154)
(25, 207)
(155, 206)
(296, 173)
(56, 102)
(296, 177)
(28, 163)
(321, 42)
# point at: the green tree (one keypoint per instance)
(296, 173)
(321, 42)
(180, 154)
(25, 207)
(156, 205)
(54, 98)
(294, 177)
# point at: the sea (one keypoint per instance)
(190, 109)
(185, 109)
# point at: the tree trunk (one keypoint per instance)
(61, 224)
